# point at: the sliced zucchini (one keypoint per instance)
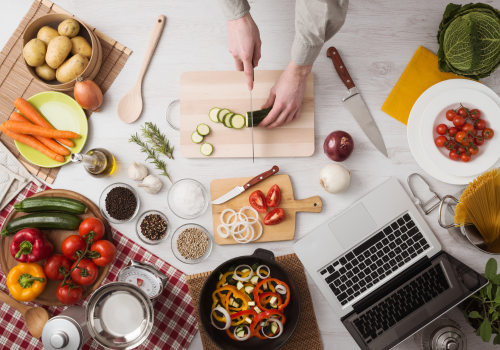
(249, 289)
(245, 270)
(213, 114)
(232, 268)
(227, 120)
(222, 113)
(220, 275)
(232, 281)
(231, 301)
(206, 149)
(237, 121)
(257, 310)
(240, 334)
(264, 286)
(274, 327)
(248, 320)
(254, 266)
(273, 300)
(239, 285)
(203, 129)
(251, 303)
(254, 279)
(196, 137)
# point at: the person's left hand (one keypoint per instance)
(286, 96)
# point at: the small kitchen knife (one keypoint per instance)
(355, 104)
(251, 115)
(240, 189)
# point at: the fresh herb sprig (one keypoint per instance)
(152, 155)
(159, 141)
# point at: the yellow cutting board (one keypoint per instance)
(202, 91)
(283, 231)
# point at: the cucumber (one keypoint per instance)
(227, 120)
(206, 149)
(213, 114)
(37, 204)
(222, 113)
(237, 121)
(258, 116)
(203, 129)
(59, 221)
(196, 137)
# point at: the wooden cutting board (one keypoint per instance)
(202, 91)
(285, 230)
(56, 237)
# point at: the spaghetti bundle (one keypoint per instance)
(480, 206)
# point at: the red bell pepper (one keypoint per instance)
(269, 280)
(255, 326)
(30, 245)
(271, 294)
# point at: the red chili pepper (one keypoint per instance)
(256, 293)
(263, 295)
(30, 245)
(255, 326)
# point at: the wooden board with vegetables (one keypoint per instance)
(281, 231)
(201, 92)
(47, 210)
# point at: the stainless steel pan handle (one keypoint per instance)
(441, 208)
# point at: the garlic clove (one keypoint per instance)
(137, 171)
(151, 184)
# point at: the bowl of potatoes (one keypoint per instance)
(58, 48)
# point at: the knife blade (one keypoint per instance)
(251, 114)
(240, 189)
(356, 105)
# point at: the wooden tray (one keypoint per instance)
(284, 231)
(202, 91)
(56, 237)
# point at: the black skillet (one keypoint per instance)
(291, 312)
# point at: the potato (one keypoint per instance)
(46, 34)
(72, 68)
(81, 46)
(45, 72)
(58, 50)
(34, 52)
(69, 28)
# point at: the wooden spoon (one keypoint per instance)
(130, 107)
(35, 317)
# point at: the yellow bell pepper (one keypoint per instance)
(231, 290)
(26, 281)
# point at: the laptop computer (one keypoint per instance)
(382, 270)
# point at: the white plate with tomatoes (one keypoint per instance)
(457, 132)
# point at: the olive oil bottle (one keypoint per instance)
(98, 162)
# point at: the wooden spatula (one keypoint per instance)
(130, 107)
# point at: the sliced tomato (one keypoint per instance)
(273, 198)
(258, 201)
(274, 217)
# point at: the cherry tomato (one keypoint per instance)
(464, 157)
(480, 124)
(53, 264)
(92, 224)
(462, 112)
(449, 145)
(273, 198)
(467, 127)
(66, 296)
(461, 150)
(478, 142)
(450, 114)
(71, 245)
(475, 114)
(441, 140)
(106, 251)
(85, 274)
(461, 136)
(458, 121)
(468, 141)
(452, 131)
(441, 129)
(488, 133)
(453, 155)
(473, 150)
(274, 217)
(258, 201)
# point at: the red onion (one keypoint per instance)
(338, 146)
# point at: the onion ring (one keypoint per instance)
(233, 213)
(238, 224)
(226, 315)
(245, 240)
(243, 279)
(261, 230)
(245, 337)
(279, 324)
(254, 219)
(268, 272)
(226, 227)
(280, 289)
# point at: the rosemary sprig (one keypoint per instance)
(158, 140)
(152, 155)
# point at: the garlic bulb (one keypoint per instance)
(137, 171)
(335, 178)
(151, 184)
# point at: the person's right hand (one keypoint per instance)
(244, 43)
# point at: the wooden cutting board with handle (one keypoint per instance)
(283, 231)
(202, 91)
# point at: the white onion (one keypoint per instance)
(280, 289)
(256, 218)
(245, 337)
(242, 224)
(268, 272)
(238, 224)
(226, 315)
(280, 327)
(242, 279)
(245, 240)
(233, 213)
(261, 230)
(334, 178)
(225, 227)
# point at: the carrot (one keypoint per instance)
(24, 128)
(36, 118)
(32, 142)
(50, 143)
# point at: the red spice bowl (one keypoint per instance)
(140, 230)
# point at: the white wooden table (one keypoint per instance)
(376, 43)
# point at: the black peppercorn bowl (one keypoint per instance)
(102, 203)
(139, 229)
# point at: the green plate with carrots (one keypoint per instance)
(64, 113)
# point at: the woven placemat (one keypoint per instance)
(16, 81)
(306, 336)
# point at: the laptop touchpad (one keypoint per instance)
(352, 225)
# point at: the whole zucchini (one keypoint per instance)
(59, 221)
(38, 204)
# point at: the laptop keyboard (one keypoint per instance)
(385, 252)
(382, 316)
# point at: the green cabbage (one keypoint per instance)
(469, 40)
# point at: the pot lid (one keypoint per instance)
(449, 338)
(62, 333)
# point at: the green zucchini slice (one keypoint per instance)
(206, 149)
(227, 120)
(237, 121)
(203, 129)
(195, 137)
(222, 113)
(213, 114)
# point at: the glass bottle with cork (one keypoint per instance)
(98, 162)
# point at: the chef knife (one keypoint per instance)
(355, 104)
(240, 189)
(251, 115)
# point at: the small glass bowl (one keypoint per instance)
(176, 252)
(138, 227)
(102, 203)
(173, 205)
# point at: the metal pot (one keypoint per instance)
(66, 331)
(291, 312)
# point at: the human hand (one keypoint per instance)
(286, 96)
(244, 43)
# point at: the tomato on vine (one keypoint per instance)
(450, 114)
(453, 155)
(488, 133)
(441, 140)
(465, 157)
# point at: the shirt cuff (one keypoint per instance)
(234, 9)
(304, 54)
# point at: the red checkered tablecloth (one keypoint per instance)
(175, 321)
